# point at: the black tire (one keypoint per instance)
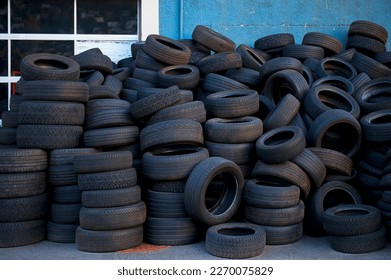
(61, 233)
(171, 132)
(49, 136)
(239, 153)
(108, 240)
(66, 156)
(108, 118)
(232, 103)
(65, 213)
(147, 106)
(369, 29)
(373, 68)
(171, 231)
(274, 41)
(262, 195)
(328, 195)
(365, 45)
(108, 180)
(23, 208)
(55, 90)
(212, 83)
(46, 66)
(94, 59)
(312, 165)
(22, 184)
(359, 244)
(66, 195)
(284, 173)
(111, 136)
(98, 105)
(342, 124)
(17, 160)
(337, 81)
(278, 64)
(284, 112)
(22, 233)
(113, 83)
(146, 61)
(104, 161)
(371, 95)
(302, 52)
(197, 186)
(146, 75)
(111, 197)
(165, 204)
(284, 234)
(334, 160)
(251, 58)
(280, 144)
(173, 163)
(376, 126)
(211, 39)
(194, 110)
(94, 79)
(235, 240)
(49, 112)
(166, 50)
(351, 219)
(326, 97)
(113, 218)
(102, 92)
(360, 80)
(330, 44)
(275, 216)
(219, 62)
(183, 76)
(238, 130)
(284, 82)
(249, 77)
(62, 175)
(169, 186)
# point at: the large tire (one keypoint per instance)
(108, 240)
(22, 184)
(280, 144)
(284, 234)
(111, 136)
(212, 39)
(173, 163)
(235, 240)
(94, 59)
(104, 161)
(108, 180)
(239, 153)
(351, 219)
(49, 112)
(197, 185)
(49, 136)
(284, 112)
(22, 233)
(113, 218)
(268, 196)
(61, 233)
(312, 165)
(24, 208)
(171, 132)
(23, 160)
(111, 197)
(46, 66)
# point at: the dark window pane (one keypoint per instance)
(3, 16)
(3, 97)
(107, 17)
(21, 48)
(42, 16)
(3, 58)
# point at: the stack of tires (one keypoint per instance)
(112, 212)
(65, 194)
(23, 196)
(52, 113)
(384, 205)
(355, 228)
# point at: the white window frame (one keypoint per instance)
(148, 10)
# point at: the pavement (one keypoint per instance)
(308, 248)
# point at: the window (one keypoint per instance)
(69, 27)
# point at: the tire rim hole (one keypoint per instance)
(236, 231)
(279, 138)
(384, 119)
(352, 212)
(168, 44)
(51, 64)
(178, 71)
(337, 197)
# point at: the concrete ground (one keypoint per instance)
(308, 248)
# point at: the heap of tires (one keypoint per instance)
(241, 146)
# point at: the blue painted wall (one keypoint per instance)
(246, 21)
